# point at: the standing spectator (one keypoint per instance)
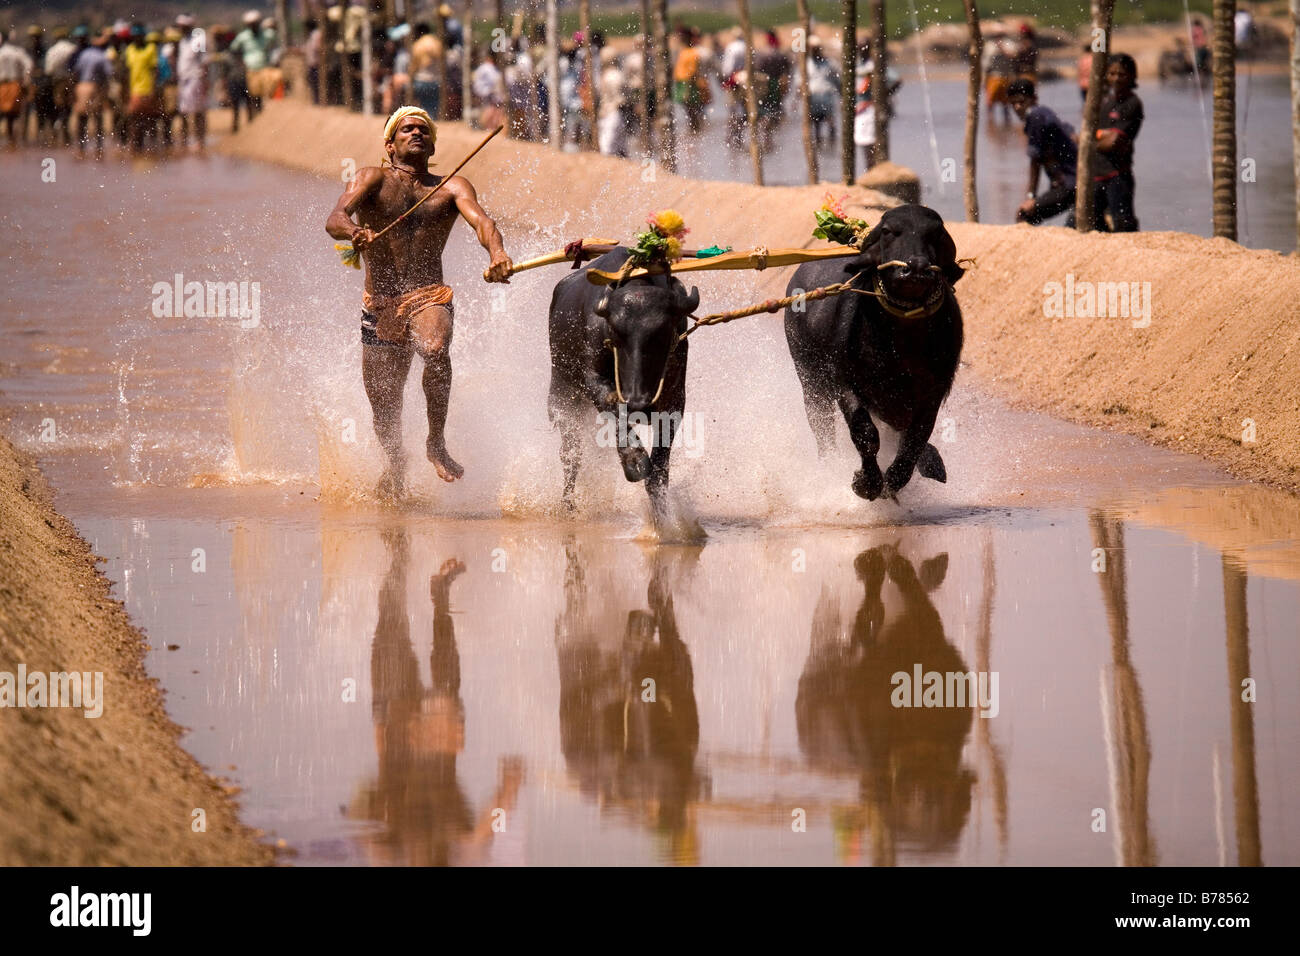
(691, 78)
(426, 84)
(1200, 46)
(1083, 66)
(15, 75)
(311, 57)
(93, 73)
(773, 83)
(1024, 62)
(58, 66)
(488, 87)
(823, 91)
(142, 67)
(614, 121)
(192, 82)
(250, 45)
(1121, 119)
(520, 86)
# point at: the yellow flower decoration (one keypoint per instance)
(673, 249)
(668, 222)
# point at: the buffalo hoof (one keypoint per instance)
(895, 480)
(636, 466)
(867, 484)
(930, 465)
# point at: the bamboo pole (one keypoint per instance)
(976, 54)
(664, 90)
(367, 75)
(848, 88)
(880, 80)
(751, 95)
(1085, 198)
(809, 146)
(1225, 120)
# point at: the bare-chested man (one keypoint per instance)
(406, 306)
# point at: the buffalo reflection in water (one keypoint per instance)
(914, 788)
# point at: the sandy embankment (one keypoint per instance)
(1222, 346)
(78, 790)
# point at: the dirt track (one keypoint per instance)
(116, 789)
(1221, 346)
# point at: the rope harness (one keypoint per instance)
(895, 307)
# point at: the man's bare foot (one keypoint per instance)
(443, 463)
(392, 483)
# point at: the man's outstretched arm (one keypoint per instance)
(340, 224)
(486, 230)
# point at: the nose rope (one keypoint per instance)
(618, 386)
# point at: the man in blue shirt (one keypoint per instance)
(1052, 150)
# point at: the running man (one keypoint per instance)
(407, 307)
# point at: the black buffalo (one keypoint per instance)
(891, 358)
(635, 324)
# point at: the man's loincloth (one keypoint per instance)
(390, 319)
(11, 98)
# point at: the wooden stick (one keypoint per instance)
(751, 259)
(591, 248)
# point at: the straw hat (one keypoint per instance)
(252, 18)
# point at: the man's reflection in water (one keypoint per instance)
(629, 727)
(419, 731)
(914, 788)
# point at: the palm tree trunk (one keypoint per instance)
(664, 90)
(589, 106)
(467, 63)
(976, 54)
(1225, 120)
(880, 80)
(751, 95)
(1295, 108)
(553, 75)
(848, 88)
(809, 147)
(1103, 12)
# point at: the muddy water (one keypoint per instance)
(466, 678)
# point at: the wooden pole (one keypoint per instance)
(1295, 108)
(880, 80)
(809, 145)
(976, 53)
(1084, 201)
(664, 90)
(282, 22)
(848, 87)
(553, 73)
(1225, 120)
(647, 80)
(751, 95)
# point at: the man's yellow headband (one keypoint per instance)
(394, 121)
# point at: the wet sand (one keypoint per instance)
(380, 705)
